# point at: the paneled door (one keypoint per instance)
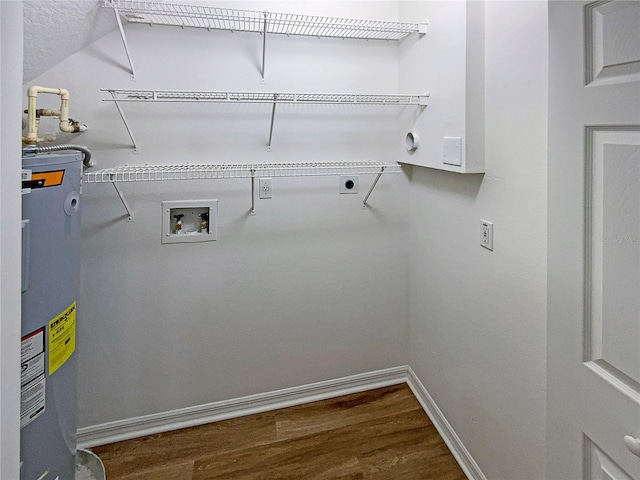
(593, 424)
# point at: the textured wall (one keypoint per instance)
(311, 288)
(56, 29)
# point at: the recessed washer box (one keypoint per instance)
(189, 221)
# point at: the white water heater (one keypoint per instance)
(50, 284)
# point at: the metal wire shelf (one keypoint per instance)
(160, 13)
(263, 22)
(262, 97)
(151, 173)
(150, 96)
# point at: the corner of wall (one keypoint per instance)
(478, 317)
(474, 88)
(10, 209)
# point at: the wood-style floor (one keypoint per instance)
(380, 434)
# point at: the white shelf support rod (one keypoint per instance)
(373, 185)
(273, 116)
(253, 192)
(124, 202)
(264, 45)
(126, 45)
(126, 123)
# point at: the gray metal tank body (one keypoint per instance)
(51, 271)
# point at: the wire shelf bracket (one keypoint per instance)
(125, 204)
(125, 44)
(262, 22)
(151, 173)
(136, 149)
(167, 96)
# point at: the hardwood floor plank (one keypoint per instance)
(142, 453)
(415, 455)
(312, 456)
(173, 471)
(377, 435)
(348, 410)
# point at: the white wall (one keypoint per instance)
(311, 288)
(10, 212)
(478, 321)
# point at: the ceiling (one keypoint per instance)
(56, 29)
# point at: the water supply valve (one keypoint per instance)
(204, 222)
(178, 226)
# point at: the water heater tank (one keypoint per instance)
(50, 283)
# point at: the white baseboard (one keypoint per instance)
(263, 402)
(469, 466)
(237, 407)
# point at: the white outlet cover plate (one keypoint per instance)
(486, 234)
(344, 181)
(265, 186)
(452, 154)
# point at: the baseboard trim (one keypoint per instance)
(448, 434)
(238, 407)
(263, 402)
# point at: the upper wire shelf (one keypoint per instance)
(160, 13)
(262, 97)
(148, 173)
(262, 22)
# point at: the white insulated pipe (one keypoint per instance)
(32, 123)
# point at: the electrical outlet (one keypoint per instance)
(265, 188)
(349, 184)
(486, 234)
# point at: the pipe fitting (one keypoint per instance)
(65, 125)
(34, 90)
(47, 112)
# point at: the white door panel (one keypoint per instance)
(612, 236)
(612, 38)
(600, 466)
(594, 240)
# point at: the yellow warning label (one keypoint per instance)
(62, 338)
(48, 179)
